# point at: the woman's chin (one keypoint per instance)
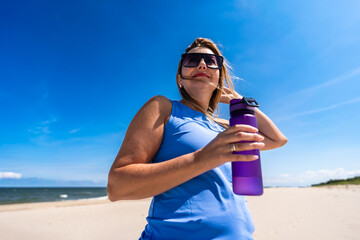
(201, 83)
(201, 90)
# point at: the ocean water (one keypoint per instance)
(11, 195)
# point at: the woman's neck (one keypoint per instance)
(193, 106)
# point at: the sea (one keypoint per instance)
(12, 195)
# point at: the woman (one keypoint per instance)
(176, 152)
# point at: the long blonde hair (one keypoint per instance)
(224, 77)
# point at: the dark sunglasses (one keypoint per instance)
(193, 59)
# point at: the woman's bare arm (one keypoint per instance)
(273, 137)
(133, 176)
(267, 128)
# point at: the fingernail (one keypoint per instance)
(259, 144)
(255, 157)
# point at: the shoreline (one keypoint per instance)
(104, 199)
(63, 203)
(21, 195)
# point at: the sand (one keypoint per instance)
(307, 213)
(281, 213)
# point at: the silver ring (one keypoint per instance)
(233, 148)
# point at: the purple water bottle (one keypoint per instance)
(246, 176)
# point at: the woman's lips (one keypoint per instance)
(201, 75)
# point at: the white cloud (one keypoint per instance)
(284, 175)
(354, 100)
(341, 78)
(325, 174)
(310, 177)
(10, 175)
(296, 99)
(74, 130)
(42, 128)
(49, 121)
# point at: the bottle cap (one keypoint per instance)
(244, 103)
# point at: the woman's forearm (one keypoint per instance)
(142, 180)
(273, 137)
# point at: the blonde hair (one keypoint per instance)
(224, 77)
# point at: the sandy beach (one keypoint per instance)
(330, 213)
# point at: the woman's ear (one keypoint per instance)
(178, 80)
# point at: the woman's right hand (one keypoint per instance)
(219, 151)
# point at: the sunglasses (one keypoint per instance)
(193, 59)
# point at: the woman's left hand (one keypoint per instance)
(229, 94)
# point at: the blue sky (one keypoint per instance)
(73, 74)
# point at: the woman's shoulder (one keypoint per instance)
(161, 105)
(161, 101)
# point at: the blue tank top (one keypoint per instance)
(205, 206)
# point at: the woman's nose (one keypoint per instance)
(202, 64)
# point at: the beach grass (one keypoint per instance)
(349, 181)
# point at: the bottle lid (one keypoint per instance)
(247, 103)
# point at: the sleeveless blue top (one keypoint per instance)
(204, 207)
